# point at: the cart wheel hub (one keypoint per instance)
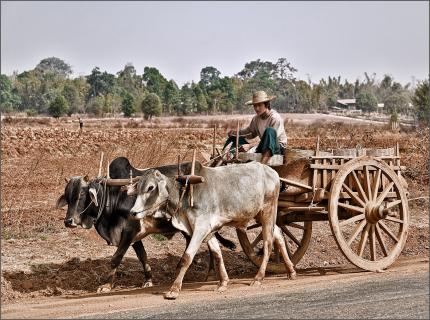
(374, 213)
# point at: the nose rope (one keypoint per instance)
(80, 213)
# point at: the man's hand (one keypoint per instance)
(231, 133)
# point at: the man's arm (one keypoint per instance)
(250, 131)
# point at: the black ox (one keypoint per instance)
(107, 208)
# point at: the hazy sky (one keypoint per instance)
(181, 38)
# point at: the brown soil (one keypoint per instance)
(41, 258)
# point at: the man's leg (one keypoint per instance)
(268, 145)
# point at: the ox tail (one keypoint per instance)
(225, 242)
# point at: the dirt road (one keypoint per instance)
(333, 292)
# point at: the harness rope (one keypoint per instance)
(184, 189)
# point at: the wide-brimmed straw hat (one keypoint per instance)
(259, 97)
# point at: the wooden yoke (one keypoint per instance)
(236, 156)
(193, 164)
(192, 179)
(213, 142)
(100, 166)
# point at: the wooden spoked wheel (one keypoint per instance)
(297, 237)
(372, 202)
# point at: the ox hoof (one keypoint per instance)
(255, 283)
(104, 288)
(147, 284)
(171, 295)
(221, 288)
(292, 275)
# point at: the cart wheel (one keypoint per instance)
(368, 213)
(297, 236)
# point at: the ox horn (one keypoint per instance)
(93, 196)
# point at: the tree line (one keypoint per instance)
(49, 89)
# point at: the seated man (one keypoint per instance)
(266, 124)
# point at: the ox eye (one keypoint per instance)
(150, 188)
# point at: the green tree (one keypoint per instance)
(366, 101)
(210, 82)
(70, 92)
(396, 103)
(54, 65)
(188, 101)
(420, 100)
(155, 82)
(171, 97)
(95, 106)
(201, 103)
(82, 87)
(228, 97)
(128, 105)
(100, 83)
(129, 81)
(209, 77)
(9, 98)
(253, 68)
(58, 107)
(304, 96)
(151, 106)
(27, 86)
(284, 70)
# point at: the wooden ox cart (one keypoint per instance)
(360, 192)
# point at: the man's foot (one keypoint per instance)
(265, 157)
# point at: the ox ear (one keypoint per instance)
(67, 180)
(158, 174)
(86, 178)
(93, 196)
(61, 202)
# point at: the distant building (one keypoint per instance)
(346, 104)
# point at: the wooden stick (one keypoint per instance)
(307, 208)
(100, 165)
(218, 156)
(107, 172)
(179, 165)
(213, 142)
(317, 151)
(295, 183)
(237, 141)
(193, 163)
(324, 175)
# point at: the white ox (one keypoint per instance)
(230, 195)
